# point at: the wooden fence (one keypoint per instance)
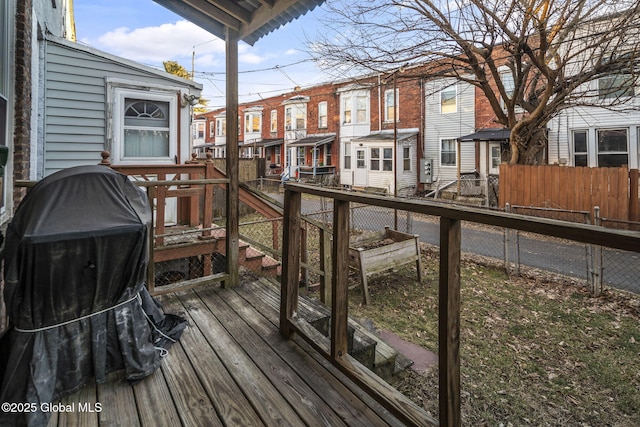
(614, 190)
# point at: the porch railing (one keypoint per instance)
(449, 284)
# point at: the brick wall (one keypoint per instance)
(21, 140)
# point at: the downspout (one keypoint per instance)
(379, 103)
(421, 137)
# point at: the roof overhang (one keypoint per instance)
(487, 135)
(313, 141)
(265, 143)
(249, 19)
(386, 136)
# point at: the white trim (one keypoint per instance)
(117, 131)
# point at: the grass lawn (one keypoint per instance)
(535, 350)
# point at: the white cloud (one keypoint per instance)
(172, 41)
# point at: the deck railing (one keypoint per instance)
(449, 284)
(192, 185)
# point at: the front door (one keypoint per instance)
(360, 173)
(495, 158)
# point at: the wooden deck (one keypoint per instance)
(230, 368)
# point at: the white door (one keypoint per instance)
(495, 158)
(360, 172)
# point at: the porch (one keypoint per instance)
(230, 367)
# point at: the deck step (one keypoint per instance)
(362, 349)
(364, 345)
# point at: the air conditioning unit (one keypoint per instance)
(426, 171)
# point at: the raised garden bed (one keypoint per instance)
(383, 251)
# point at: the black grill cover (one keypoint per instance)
(75, 262)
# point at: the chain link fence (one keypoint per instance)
(597, 267)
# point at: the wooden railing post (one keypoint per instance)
(326, 266)
(292, 231)
(340, 279)
(449, 322)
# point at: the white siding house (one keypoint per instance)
(595, 137)
(94, 101)
(355, 121)
(449, 115)
(376, 154)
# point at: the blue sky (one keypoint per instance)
(143, 31)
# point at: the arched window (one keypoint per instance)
(146, 128)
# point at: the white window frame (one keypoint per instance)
(355, 108)
(406, 159)
(295, 116)
(387, 159)
(375, 158)
(346, 156)
(455, 152)
(584, 153)
(445, 96)
(212, 128)
(221, 126)
(121, 94)
(599, 152)
(391, 111)
(273, 125)
(250, 119)
(199, 129)
(616, 89)
(323, 117)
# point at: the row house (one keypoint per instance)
(343, 130)
(400, 133)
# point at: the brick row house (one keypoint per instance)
(402, 134)
(343, 130)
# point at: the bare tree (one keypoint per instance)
(530, 58)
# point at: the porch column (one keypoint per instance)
(232, 163)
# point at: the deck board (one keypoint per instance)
(117, 395)
(307, 404)
(353, 408)
(232, 407)
(232, 368)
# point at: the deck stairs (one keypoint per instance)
(363, 345)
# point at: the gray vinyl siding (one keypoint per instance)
(75, 130)
(440, 126)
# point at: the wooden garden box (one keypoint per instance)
(383, 251)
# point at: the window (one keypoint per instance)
(221, 126)
(198, 129)
(146, 128)
(509, 86)
(580, 148)
(616, 86)
(375, 159)
(612, 147)
(252, 122)
(347, 110)
(347, 155)
(387, 160)
(448, 152)
(448, 101)
(327, 155)
(390, 97)
(277, 155)
(360, 159)
(361, 109)
(295, 117)
(322, 115)
(355, 107)
(274, 121)
(406, 158)
(300, 156)
(212, 129)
